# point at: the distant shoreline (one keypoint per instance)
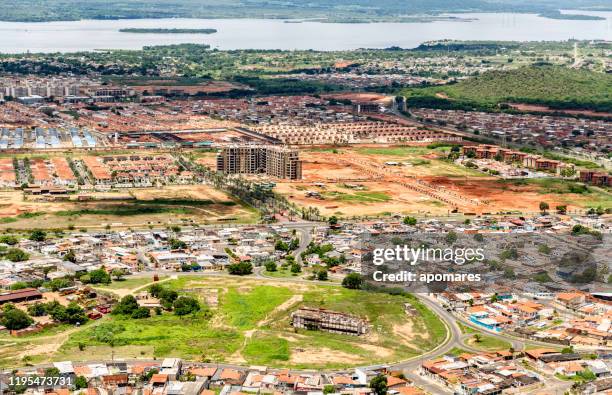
(167, 31)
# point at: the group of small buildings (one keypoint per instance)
(576, 318)
(353, 133)
(532, 162)
(529, 161)
(591, 135)
(49, 138)
(173, 376)
(598, 178)
(510, 371)
(481, 373)
(36, 90)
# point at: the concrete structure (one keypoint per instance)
(328, 321)
(274, 161)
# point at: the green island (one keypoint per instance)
(167, 31)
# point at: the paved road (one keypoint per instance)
(305, 235)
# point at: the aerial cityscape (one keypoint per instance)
(204, 197)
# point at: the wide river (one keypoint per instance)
(16, 37)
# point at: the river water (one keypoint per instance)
(16, 37)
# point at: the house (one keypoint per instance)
(22, 295)
(571, 300)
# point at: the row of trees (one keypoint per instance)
(15, 319)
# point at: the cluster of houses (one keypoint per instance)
(289, 110)
(353, 133)
(136, 170)
(529, 161)
(173, 376)
(145, 250)
(578, 319)
(513, 372)
(547, 131)
(488, 373)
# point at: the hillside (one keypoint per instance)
(557, 87)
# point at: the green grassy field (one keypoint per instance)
(129, 283)
(360, 197)
(489, 343)
(250, 325)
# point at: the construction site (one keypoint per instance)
(367, 132)
(375, 180)
(328, 321)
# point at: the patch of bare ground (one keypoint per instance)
(322, 356)
(292, 338)
(406, 332)
(380, 352)
(280, 308)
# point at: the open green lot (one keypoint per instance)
(250, 324)
(488, 343)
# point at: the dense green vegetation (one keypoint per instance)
(333, 10)
(557, 87)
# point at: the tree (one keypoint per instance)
(328, 389)
(37, 309)
(296, 268)
(410, 221)
(177, 244)
(58, 283)
(16, 319)
(70, 256)
(19, 285)
(38, 235)
(16, 255)
(567, 350)
(322, 275)
(155, 290)
(477, 337)
(561, 209)
(240, 269)
(186, 305)
(281, 246)
(9, 239)
(80, 382)
(352, 281)
(118, 274)
(168, 296)
(451, 237)
(270, 266)
(126, 306)
(141, 312)
(509, 273)
(544, 207)
(75, 314)
(378, 384)
(333, 220)
(99, 276)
